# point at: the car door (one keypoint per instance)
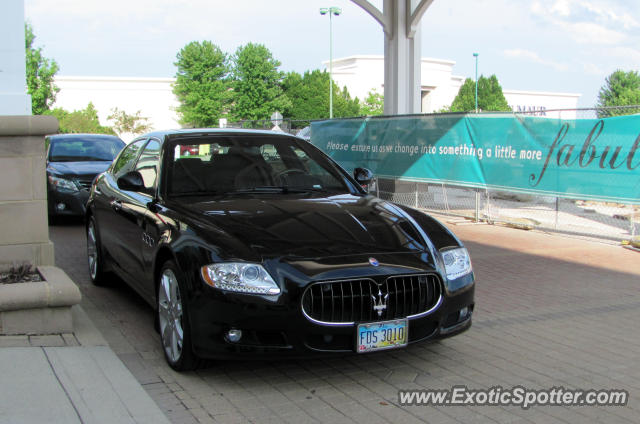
(142, 240)
(106, 198)
(129, 210)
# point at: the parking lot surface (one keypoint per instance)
(551, 311)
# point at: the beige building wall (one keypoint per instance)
(23, 192)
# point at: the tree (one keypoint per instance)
(80, 121)
(257, 84)
(202, 85)
(40, 73)
(490, 96)
(309, 96)
(130, 124)
(373, 105)
(620, 89)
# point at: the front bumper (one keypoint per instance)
(279, 331)
(73, 203)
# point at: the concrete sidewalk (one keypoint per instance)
(69, 378)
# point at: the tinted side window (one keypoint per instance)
(127, 158)
(147, 165)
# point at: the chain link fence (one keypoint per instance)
(602, 220)
(290, 126)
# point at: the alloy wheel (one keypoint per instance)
(92, 250)
(170, 315)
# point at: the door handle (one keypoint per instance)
(116, 205)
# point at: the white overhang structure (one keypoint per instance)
(400, 21)
(14, 99)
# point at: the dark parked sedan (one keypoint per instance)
(262, 246)
(73, 161)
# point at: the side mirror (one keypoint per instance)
(363, 176)
(131, 181)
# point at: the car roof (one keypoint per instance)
(214, 132)
(81, 136)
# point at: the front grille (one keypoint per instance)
(350, 301)
(85, 183)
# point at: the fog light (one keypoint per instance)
(61, 206)
(234, 335)
(464, 312)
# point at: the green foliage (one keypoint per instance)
(490, 96)
(40, 73)
(257, 84)
(202, 85)
(373, 105)
(130, 124)
(80, 121)
(309, 95)
(620, 89)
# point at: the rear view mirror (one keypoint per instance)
(363, 176)
(131, 181)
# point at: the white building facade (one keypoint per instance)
(153, 97)
(155, 100)
(362, 74)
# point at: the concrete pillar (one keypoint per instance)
(14, 99)
(400, 21)
(24, 230)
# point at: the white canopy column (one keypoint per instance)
(400, 21)
(14, 99)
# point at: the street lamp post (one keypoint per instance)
(476, 56)
(330, 11)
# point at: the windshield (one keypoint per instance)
(82, 150)
(250, 164)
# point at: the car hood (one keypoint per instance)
(78, 169)
(308, 227)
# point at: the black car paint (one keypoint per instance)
(147, 229)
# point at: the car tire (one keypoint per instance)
(173, 320)
(94, 254)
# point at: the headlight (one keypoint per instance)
(456, 262)
(239, 277)
(62, 184)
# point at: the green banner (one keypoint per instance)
(582, 158)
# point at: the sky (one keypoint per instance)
(567, 46)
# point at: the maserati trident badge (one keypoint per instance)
(380, 304)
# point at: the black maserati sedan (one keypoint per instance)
(73, 161)
(256, 244)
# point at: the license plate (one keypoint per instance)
(382, 335)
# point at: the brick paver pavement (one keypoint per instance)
(551, 311)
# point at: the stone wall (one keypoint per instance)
(24, 230)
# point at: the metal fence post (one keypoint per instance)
(477, 205)
(377, 187)
(416, 200)
(489, 218)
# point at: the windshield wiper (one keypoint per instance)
(196, 193)
(277, 189)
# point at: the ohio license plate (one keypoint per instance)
(382, 335)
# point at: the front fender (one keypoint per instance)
(440, 236)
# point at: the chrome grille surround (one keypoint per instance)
(346, 302)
